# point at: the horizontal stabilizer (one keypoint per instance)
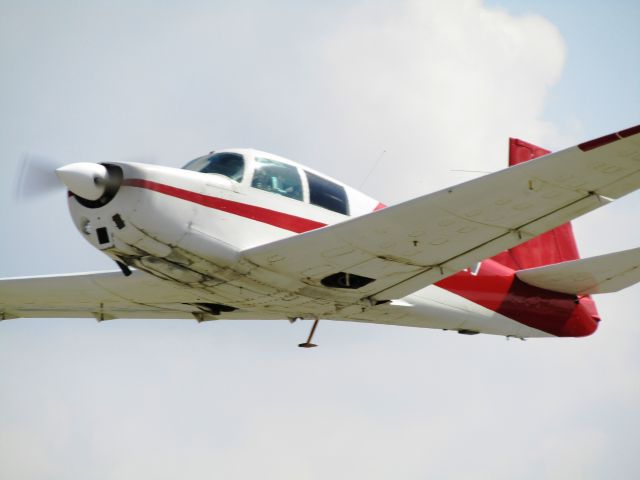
(602, 274)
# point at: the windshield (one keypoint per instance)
(277, 177)
(224, 163)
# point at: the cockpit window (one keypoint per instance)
(326, 194)
(277, 177)
(224, 163)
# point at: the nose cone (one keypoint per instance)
(87, 180)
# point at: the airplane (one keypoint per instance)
(244, 234)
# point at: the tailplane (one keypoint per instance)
(603, 274)
(555, 246)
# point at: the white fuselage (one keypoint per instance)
(190, 228)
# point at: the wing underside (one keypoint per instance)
(106, 296)
(403, 248)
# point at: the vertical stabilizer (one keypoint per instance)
(557, 245)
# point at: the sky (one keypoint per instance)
(438, 86)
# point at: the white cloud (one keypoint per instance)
(440, 85)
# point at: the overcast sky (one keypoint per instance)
(439, 86)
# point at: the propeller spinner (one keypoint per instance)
(86, 180)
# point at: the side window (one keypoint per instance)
(224, 163)
(326, 194)
(277, 177)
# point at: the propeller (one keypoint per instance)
(37, 177)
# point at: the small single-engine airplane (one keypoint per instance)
(243, 234)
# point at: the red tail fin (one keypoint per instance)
(557, 245)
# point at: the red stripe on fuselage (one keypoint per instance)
(282, 220)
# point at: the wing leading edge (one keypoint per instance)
(104, 296)
(411, 245)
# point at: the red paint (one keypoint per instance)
(598, 142)
(521, 151)
(282, 220)
(612, 137)
(629, 131)
(497, 288)
(380, 206)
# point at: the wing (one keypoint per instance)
(104, 296)
(602, 274)
(401, 249)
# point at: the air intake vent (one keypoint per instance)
(346, 280)
(103, 235)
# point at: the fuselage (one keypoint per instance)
(190, 226)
